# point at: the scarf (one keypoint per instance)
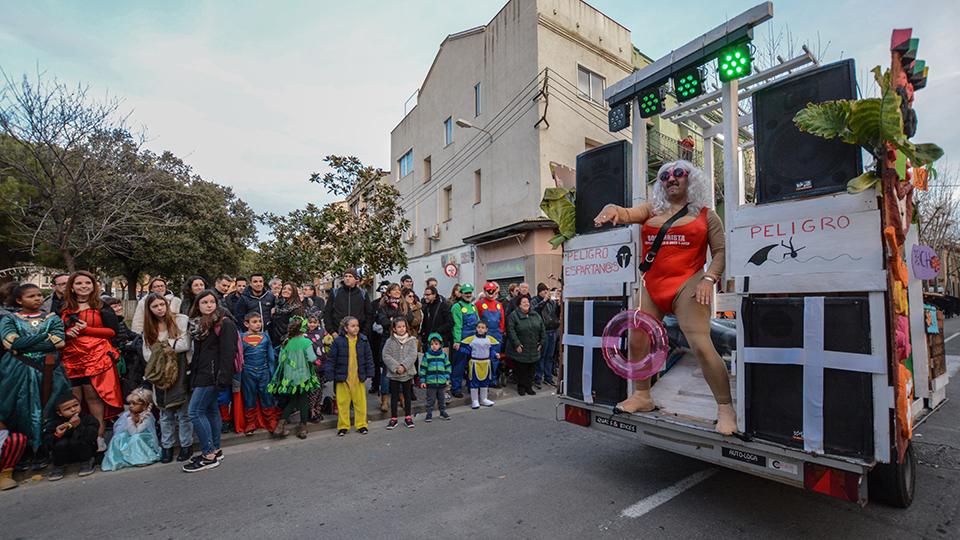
(197, 332)
(403, 339)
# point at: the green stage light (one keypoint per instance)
(651, 102)
(734, 62)
(688, 84)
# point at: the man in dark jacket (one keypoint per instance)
(549, 311)
(54, 303)
(436, 318)
(256, 298)
(351, 300)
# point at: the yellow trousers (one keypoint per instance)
(351, 394)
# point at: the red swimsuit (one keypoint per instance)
(682, 254)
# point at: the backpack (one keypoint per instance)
(238, 359)
(163, 370)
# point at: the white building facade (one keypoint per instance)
(502, 107)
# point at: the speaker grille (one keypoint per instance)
(603, 177)
(790, 163)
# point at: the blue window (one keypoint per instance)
(477, 105)
(406, 163)
(448, 131)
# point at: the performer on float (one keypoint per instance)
(490, 311)
(674, 281)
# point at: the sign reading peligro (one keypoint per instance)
(607, 257)
(826, 234)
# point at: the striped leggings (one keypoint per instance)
(13, 448)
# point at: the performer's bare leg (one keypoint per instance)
(694, 319)
(639, 346)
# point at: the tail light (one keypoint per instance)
(843, 485)
(576, 415)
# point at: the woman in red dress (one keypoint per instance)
(89, 355)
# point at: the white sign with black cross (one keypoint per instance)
(588, 343)
(814, 359)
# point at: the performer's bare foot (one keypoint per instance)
(640, 401)
(726, 419)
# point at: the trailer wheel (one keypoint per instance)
(895, 483)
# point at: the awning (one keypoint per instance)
(508, 230)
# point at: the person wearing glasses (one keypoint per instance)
(674, 279)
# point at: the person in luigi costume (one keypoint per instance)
(465, 318)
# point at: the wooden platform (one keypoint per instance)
(684, 393)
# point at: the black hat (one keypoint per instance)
(541, 287)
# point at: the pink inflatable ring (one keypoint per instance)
(615, 332)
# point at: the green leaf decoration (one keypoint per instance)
(922, 154)
(557, 204)
(863, 182)
(901, 165)
(828, 119)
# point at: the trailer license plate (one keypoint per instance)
(746, 457)
(603, 420)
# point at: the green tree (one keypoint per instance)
(206, 231)
(84, 188)
(365, 231)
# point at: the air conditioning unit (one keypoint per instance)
(436, 232)
(409, 237)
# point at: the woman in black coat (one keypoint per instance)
(215, 340)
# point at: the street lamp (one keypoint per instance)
(464, 124)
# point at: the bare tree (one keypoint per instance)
(939, 210)
(85, 188)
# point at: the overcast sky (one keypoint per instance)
(254, 94)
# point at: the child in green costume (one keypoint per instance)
(296, 377)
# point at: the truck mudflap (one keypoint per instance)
(839, 477)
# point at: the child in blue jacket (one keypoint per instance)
(434, 376)
(349, 365)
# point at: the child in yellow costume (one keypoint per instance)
(349, 365)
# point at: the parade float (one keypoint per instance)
(836, 359)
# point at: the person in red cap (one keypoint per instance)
(490, 311)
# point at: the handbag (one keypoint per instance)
(647, 261)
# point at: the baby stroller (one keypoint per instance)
(505, 372)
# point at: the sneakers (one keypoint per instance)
(392, 423)
(429, 417)
(408, 421)
(475, 405)
(444, 415)
(458, 395)
(101, 444)
(219, 455)
(363, 431)
(536, 384)
(56, 473)
(341, 432)
(302, 431)
(88, 467)
(281, 430)
(486, 403)
(184, 454)
(200, 463)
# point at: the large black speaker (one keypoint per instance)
(791, 163)
(603, 177)
(774, 392)
(608, 388)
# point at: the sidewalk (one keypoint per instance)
(373, 413)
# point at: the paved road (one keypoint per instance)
(506, 472)
(951, 332)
